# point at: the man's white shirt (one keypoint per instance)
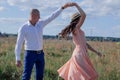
(32, 36)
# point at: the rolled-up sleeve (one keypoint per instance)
(19, 43)
(52, 16)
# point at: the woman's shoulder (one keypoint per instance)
(75, 32)
(78, 31)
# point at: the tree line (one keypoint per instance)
(88, 38)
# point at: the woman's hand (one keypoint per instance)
(73, 4)
(99, 54)
(69, 4)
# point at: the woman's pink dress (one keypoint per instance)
(79, 66)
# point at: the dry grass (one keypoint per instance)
(57, 52)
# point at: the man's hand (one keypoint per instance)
(18, 63)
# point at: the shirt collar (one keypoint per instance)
(28, 23)
(31, 24)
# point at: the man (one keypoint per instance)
(31, 33)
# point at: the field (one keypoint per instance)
(57, 52)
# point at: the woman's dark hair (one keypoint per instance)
(69, 28)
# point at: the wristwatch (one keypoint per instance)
(62, 7)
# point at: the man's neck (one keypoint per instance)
(33, 23)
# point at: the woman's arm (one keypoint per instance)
(92, 49)
(82, 13)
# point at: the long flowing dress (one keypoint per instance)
(79, 66)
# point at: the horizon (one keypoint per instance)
(57, 35)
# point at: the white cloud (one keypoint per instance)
(1, 8)
(2, 1)
(91, 7)
(27, 4)
(12, 20)
(102, 8)
(11, 25)
(116, 29)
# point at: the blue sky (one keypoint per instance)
(103, 16)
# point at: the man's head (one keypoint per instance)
(34, 15)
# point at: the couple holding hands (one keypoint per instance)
(78, 67)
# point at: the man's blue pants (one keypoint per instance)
(32, 58)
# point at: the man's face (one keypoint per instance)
(35, 17)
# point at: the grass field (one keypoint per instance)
(57, 52)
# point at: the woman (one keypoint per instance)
(79, 66)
